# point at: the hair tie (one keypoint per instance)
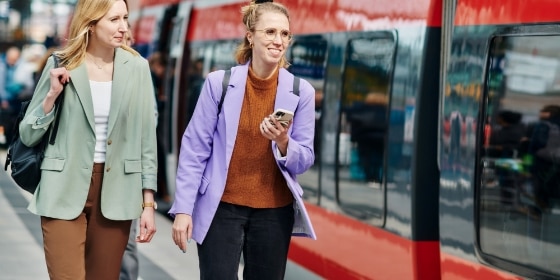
(262, 1)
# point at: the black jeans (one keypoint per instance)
(263, 235)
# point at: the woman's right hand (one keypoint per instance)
(59, 77)
(182, 231)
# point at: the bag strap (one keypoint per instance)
(296, 85)
(225, 84)
(58, 105)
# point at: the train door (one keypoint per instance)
(518, 194)
(352, 106)
(500, 177)
(362, 126)
(172, 93)
(147, 29)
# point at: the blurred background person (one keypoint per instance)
(544, 146)
(368, 128)
(505, 142)
(16, 81)
(505, 138)
(158, 64)
(9, 87)
(29, 68)
(196, 79)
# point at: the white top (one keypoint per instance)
(101, 96)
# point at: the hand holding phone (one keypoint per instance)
(283, 116)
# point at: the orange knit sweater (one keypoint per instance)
(254, 179)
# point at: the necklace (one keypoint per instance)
(98, 66)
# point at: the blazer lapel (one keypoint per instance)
(232, 105)
(80, 82)
(119, 93)
(285, 97)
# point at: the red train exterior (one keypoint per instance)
(431, 213)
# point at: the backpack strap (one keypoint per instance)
(296, 85)
(225, 84)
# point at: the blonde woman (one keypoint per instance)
(101, 172)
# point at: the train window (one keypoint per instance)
(192, 81)
(205, 59)
(223, 56)
(519, 163)
(307, 56)
(363, 127)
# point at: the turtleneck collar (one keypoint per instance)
(263, 84)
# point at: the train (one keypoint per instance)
(409, 181)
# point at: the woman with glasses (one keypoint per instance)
(236, 181)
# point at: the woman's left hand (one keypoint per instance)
(147, 225)
(273, 130)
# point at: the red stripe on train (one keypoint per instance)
(348, 249)
(223, 22)
(480, 12)
(435, 13)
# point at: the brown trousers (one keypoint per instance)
(89, 247)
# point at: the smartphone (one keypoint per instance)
(283, 116)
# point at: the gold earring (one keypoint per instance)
(251, 45)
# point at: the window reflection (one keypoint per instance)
(203, 60)
(223, 55)
(364, 127)
(520, 157)
(308, 58)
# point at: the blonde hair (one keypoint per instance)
(86, 14)
(251, 15)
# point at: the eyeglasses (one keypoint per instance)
(270, 34)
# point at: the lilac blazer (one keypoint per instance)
(208, 141)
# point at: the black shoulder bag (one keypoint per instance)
(26, 161)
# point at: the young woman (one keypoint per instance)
(101, 172)
(236, 188)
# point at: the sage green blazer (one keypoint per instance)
(131, 161)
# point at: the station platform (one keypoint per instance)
(22, 258)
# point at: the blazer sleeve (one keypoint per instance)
(301, 156)
(196, 145)
(149, 140)
(35, 123)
